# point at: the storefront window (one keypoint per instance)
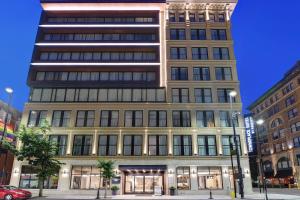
(86, 177)
(183, 178)
(209, 178)
(29, 179)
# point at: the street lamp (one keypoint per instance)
(260, 122)
(232, 94)
(9, 91)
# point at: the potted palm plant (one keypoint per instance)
(114, 190)
(172, 190)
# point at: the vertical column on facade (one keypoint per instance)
(207, 12)
(120, 143)
(163, 56)
(227, 13)
(244, 142)
(94, 149)
(170, 141)
(16, 173)
(64, 177)
(219, 143)
(194, 183)
(194, 139)
(145, 142)
(70, 141)
(226, 179)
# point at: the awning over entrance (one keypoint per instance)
(283, 173)
(143, 167)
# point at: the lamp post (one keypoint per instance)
(9, 91)
(262, 173)
(232, 94)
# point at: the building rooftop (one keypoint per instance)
(291, 73)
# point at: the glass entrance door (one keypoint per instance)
(142, 183)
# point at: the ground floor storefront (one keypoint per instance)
(139, 176)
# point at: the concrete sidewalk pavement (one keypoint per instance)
(254, 196)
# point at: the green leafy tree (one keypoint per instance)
(38, 151)
(107, 171)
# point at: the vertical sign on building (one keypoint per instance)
(250, 133)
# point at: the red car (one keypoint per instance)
(8, 192)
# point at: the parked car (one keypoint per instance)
(8, 192)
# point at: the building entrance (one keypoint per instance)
(143, 181)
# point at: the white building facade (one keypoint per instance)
(143, 83)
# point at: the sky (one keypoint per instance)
(266, 37)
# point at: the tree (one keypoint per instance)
(38, 151)
(107, 169)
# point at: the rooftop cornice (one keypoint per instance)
(103, 1)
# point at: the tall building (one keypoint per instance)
(11, 117)
(145, 83)
(278, 137)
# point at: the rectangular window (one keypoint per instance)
(225, 119)
(199, 53)
(207, 145)
(290, 101)
(223, 95)
(201, 74)
(223, 73)
(177, 34)
(228, 145)
(61, 143)
(157, 145)
(205, 119)
(203, 95)
(36, 118)
(85, 118)
(295, 127)
(87, 177)
(181, 119)
(183, 178)
(209, 178)
(181, 17)
(172, 17)
(61, 118)
(29, 179)
(192, 17)
(109, 118)
(292, 113)
(218, 34)
(133, 118)
(178, 53)
(179, 73)
(201, 17)
(198, 34)
(82, 145)
(157, 118)
(107, 145)
(182, 145)
(296, 141)
(180, 95)
(221, 53)
(132, 145)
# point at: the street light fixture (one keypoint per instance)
(232, 94)
(260, 122)
(9, 91)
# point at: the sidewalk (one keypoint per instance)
(254, 196)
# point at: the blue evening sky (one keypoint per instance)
(266, 39)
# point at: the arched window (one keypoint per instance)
(267, 166)
(283, 163)
(276, 122)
